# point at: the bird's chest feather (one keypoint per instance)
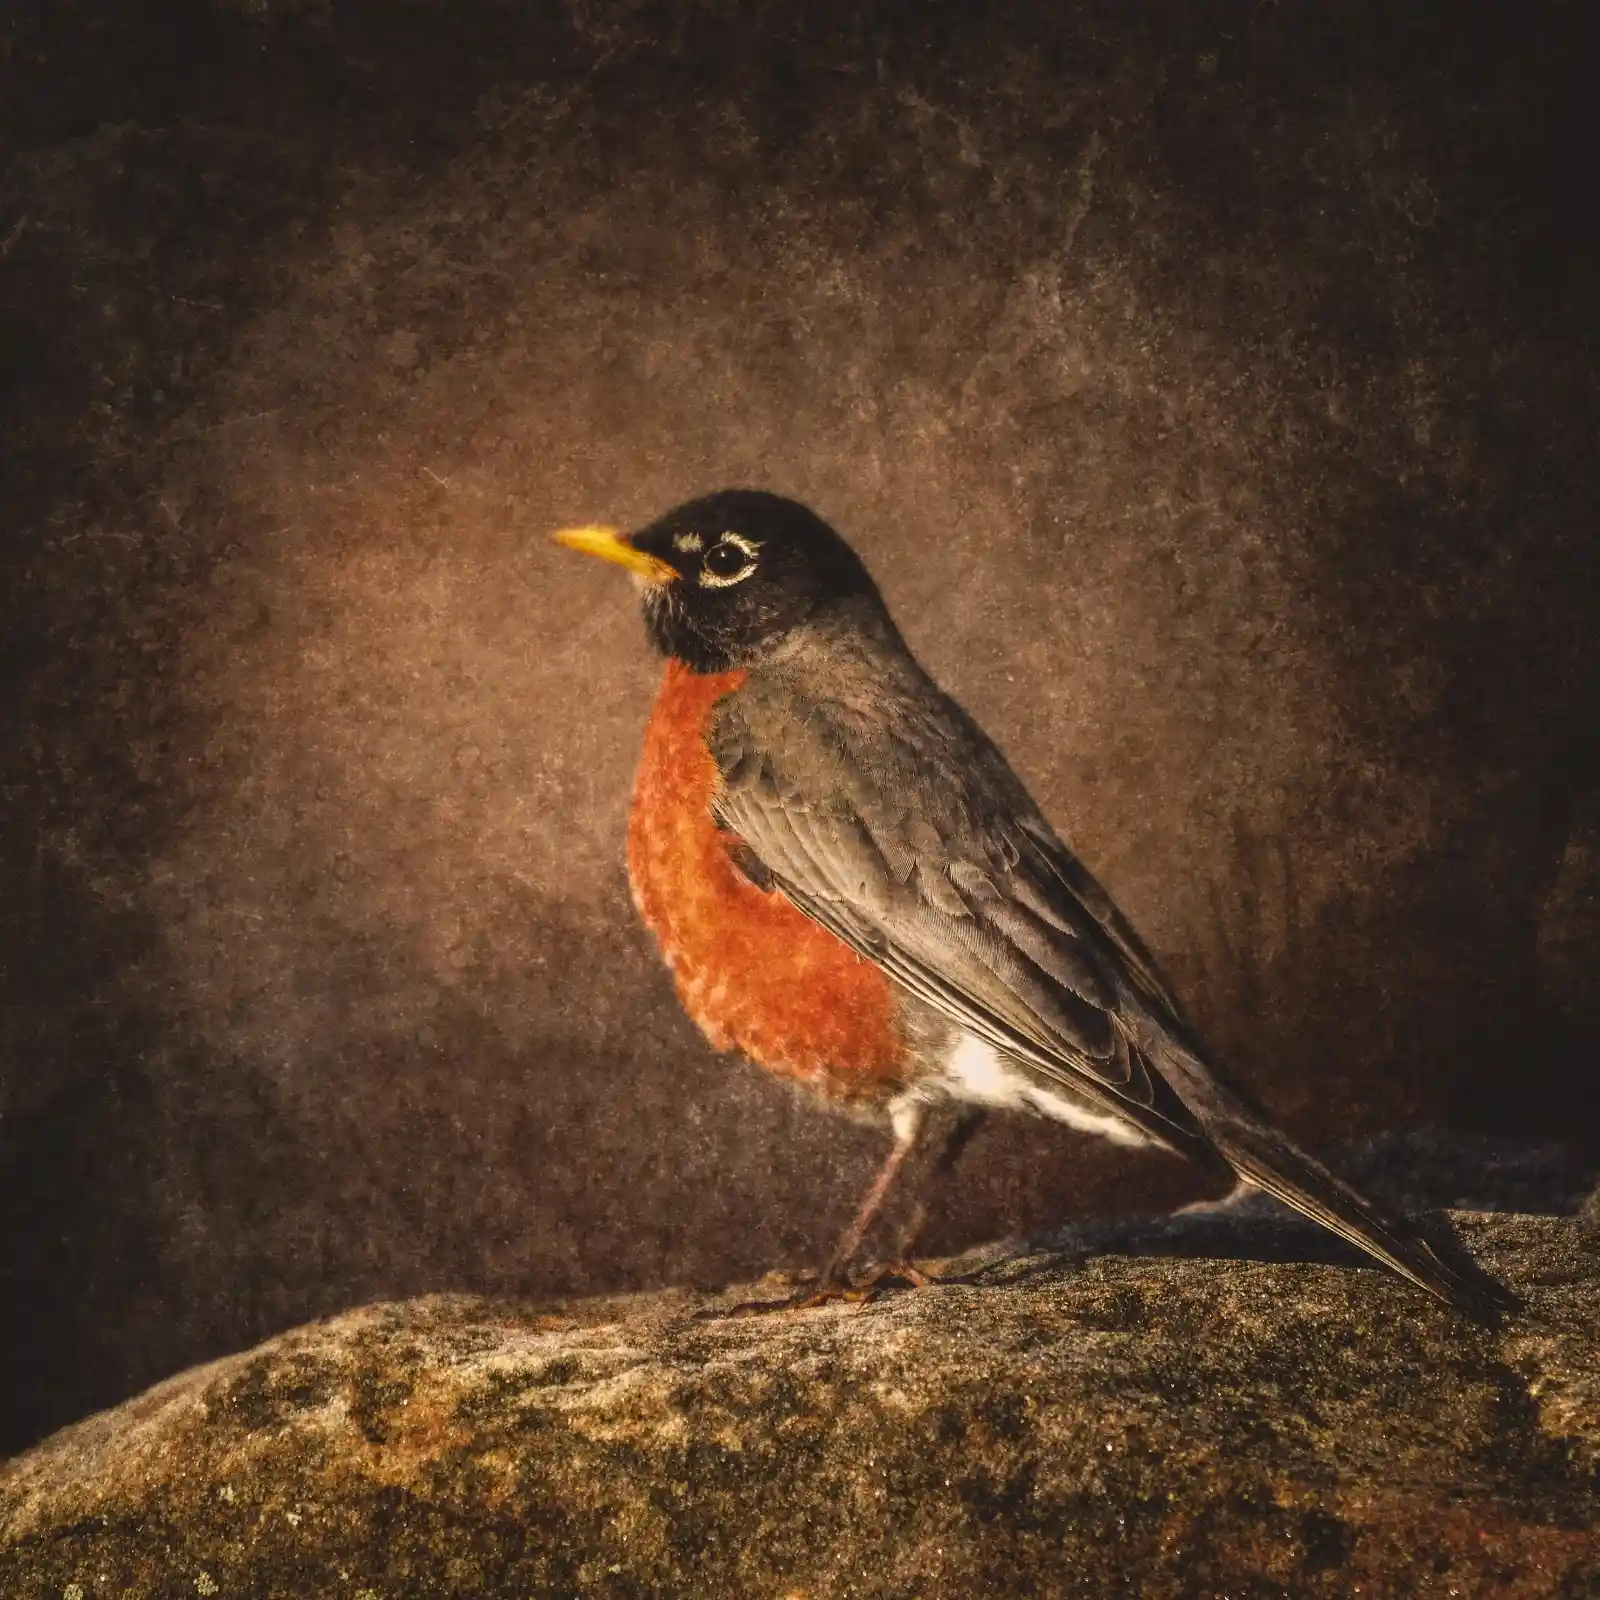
(753, 972)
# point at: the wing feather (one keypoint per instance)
(976, 926)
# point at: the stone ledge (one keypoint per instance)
(1109, 1425)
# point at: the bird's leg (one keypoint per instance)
(952, 1140)
(834, 1282)
(909, 1118)
(942, 1142)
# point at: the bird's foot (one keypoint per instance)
(858, 1290)
(805, 1298)
(876, 1279)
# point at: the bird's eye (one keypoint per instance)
(730, 560)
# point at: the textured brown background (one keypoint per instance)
(1211, 388)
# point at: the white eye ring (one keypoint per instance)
(747, 547)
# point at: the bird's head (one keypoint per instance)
(726, 578)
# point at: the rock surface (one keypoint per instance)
(1057, 1424)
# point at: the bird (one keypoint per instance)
(852, 888)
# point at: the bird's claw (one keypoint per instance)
(911, 1275)
(802, 1300)
(860, 1291)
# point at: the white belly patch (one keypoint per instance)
(976, 1072)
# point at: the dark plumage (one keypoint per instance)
(846, 785)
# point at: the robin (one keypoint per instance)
(852, 887)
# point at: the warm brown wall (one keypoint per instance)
(1210, 387)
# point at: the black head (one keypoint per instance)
(728, 576)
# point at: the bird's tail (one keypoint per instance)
(1272, 1161)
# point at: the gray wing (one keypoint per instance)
(916, 845)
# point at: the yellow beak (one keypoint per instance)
(609, 545)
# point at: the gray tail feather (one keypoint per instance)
(1271, 1161)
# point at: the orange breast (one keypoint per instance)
(754, 974)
